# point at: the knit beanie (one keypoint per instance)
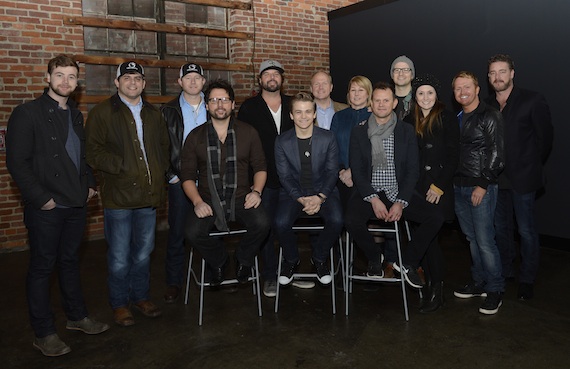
(404, 59)
(426, 79)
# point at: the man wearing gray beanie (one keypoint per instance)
(402, 71)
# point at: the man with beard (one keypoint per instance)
(481, 160)
(321, 88)
(528, 140)
(268, 113)
(45, 155)
(220, 155)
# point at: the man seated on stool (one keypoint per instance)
(219, 155)
(307, 164)
(385, 168)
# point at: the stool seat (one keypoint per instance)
(383, 227)
(201, 283)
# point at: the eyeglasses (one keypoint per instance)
(401, 70)
(223, 100)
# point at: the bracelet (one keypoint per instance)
(323, 198)
(257, 192)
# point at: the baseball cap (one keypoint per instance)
(271, 64)
(191, 68)
(129, 67)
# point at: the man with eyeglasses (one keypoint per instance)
(268, 113)
(220, 155)
(402, 72)
(182, 115)
(528, 141)
(127, 143)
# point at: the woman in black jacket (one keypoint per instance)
(438, 139)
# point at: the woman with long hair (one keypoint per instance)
(437, 130)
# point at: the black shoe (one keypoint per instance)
(323, 271)
(287, 271)
(470, 290)
(217, 275)
(492, 303)
(243, 272)
(375, 270)
(526, 291)
(434, 299)
(410, 274)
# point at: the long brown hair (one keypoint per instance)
(433, 119)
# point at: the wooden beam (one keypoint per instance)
(95, 99)
(228, 4)
(153, 27)
(153, 99)
(112, 60)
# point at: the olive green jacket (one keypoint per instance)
(113, 149)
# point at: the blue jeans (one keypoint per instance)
(178, 207)
(522, 205)
(477, 224)
(289, 210)
(130, 236)
(55, 236)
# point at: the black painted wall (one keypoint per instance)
(443, 37)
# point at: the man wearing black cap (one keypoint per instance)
(268, 112)
(182, 115)
(127, 143)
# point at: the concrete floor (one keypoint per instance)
(304, 334)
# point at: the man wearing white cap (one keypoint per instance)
(127, 143)
(182, 115)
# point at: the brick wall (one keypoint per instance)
(32, 32)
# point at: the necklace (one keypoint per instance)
(307, 152)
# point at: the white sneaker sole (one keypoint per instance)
(491, 312)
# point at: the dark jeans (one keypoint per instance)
(178, 207)
(289, 210)
(212, 248)
(427, 227)
(270, 199)
(55, 236)
(510, 202)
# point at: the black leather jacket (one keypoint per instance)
(172, 114)
(481, 153)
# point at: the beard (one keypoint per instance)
(500, 86)
(271, 86)
(61, 92)
(221, 114)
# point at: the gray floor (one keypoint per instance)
(304, 334)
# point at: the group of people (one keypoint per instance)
(393, 152)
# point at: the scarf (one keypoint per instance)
(222, 189)
(377, 132)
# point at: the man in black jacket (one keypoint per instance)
(481, 159)
(528, 140)
(182, 115)
(268, 113)
(46, 157)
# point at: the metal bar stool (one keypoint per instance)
(309, 227)
(385, 227)
(201, 282)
